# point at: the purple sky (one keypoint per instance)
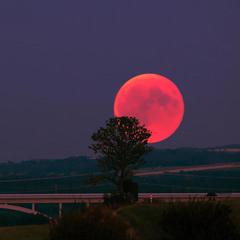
(62, 62)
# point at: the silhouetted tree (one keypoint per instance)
(120, 147)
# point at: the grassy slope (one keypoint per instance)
(32, 232)
(144, 217)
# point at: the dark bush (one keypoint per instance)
(93, 224)
(198, 220)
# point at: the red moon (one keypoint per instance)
(155, 100)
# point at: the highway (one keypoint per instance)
(160, 171)
(98, 197)
(52, 198)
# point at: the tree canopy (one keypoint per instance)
(120, 147)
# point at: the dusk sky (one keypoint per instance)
(62, 63)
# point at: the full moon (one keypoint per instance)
(155, 101)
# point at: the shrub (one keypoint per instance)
(198, 220)
(93, 224)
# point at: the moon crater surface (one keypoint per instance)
(155, 100)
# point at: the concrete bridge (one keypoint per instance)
(9, 201)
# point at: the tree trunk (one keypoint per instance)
(121, 183)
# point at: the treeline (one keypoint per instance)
(47, 167)
(82, 164)
(189, 157)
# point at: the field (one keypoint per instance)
(202, 181)
(198, 181)
(31, 232)
(142, 217)
(71, 174)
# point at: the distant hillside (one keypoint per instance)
(232, 146)
(189, 157)
(78, 165)
(48, 167)
(227, 148)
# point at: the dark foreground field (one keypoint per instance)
(31, 232)
(142, 217)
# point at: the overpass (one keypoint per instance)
(9, 201)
